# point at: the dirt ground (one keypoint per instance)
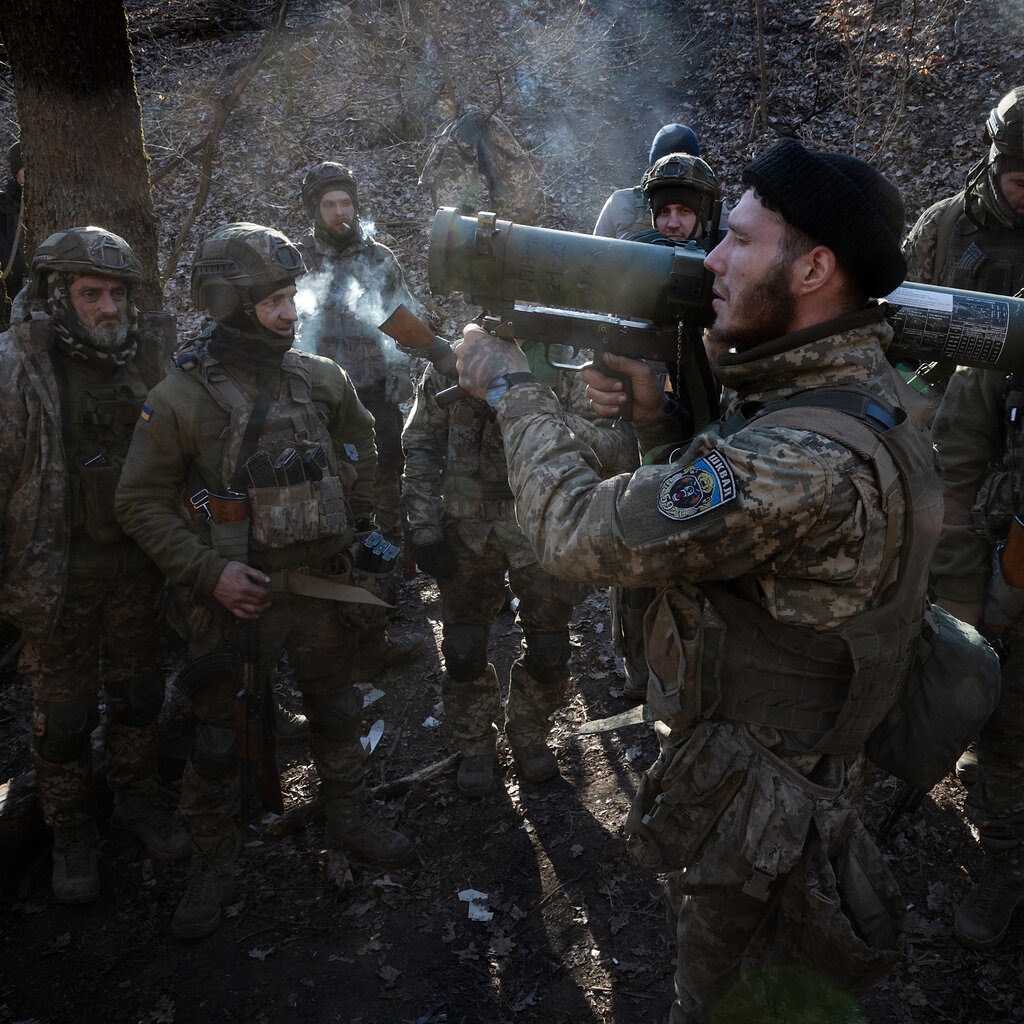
(566, 926)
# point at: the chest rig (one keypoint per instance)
(826, 690)
(289, 469)
(983, 259)
(1002, 487)
(100, 415)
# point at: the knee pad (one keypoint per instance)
(335, 716)
(465, 652)
(137, 701)
(547, 655)
(61, 729)
(213, 750)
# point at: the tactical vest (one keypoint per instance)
(980, 259)
(99, 418)
(1001, 491)
(825, 689)
(292, 480)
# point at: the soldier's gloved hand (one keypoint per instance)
(437, 559)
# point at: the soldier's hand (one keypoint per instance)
(608, 394)
(482, 357)
(243, 590)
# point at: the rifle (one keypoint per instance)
(254, 727)
(648, 301)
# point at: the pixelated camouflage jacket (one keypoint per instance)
(34, 475)
(791, 510)
(182, 434)
(363, 286)
(455, 473)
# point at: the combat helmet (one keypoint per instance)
(84, 250)
(239, 265)
(324, 177)
(681, 178)
(1004, 130)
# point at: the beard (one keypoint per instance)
(110, 336)
(764, 312)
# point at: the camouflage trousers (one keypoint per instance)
(387, 429)
(471, 599)
(995, 803)
(107, 638)
(322, 645)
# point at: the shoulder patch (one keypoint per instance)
(146, 414)
(697, 489)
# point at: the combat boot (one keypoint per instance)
(289, 727)
(476, 775)
(383, 652)
(76, 873)
(536, 762)
(967, 766)
(139, 809)
(352, 823)
(983, 917)
(210, 886)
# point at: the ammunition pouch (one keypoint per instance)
(996, 502)
(297, 513)
(99, 484)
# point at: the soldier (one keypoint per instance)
(679, 194)
(627, 211)
(975, 240)
(357, 286)
(215, 426)
(769, 534)
(475, 163)
(978, 436)
(463, 531)
(82, 593)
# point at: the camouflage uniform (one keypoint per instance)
(475, 163)
(456, 486)
(786, 527)
(82, 593)
(978, 436)
(358, 286)
(190, 431)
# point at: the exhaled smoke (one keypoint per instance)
(331, 310)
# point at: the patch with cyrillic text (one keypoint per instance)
(697, 489)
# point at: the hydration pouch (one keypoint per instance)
(99, 483)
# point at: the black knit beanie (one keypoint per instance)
(841, 202)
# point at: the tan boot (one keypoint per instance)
(140, 809)
(289, 726)
(76, 873)
(353, 824)
(983, 917)
(385, 651)
(210, 886)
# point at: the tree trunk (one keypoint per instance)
(81, 125)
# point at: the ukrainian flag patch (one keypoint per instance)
(690, 492)
(146, 414)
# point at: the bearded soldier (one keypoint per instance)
(250, 419)
(777, 637)
(354, 286)
(82, 593)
